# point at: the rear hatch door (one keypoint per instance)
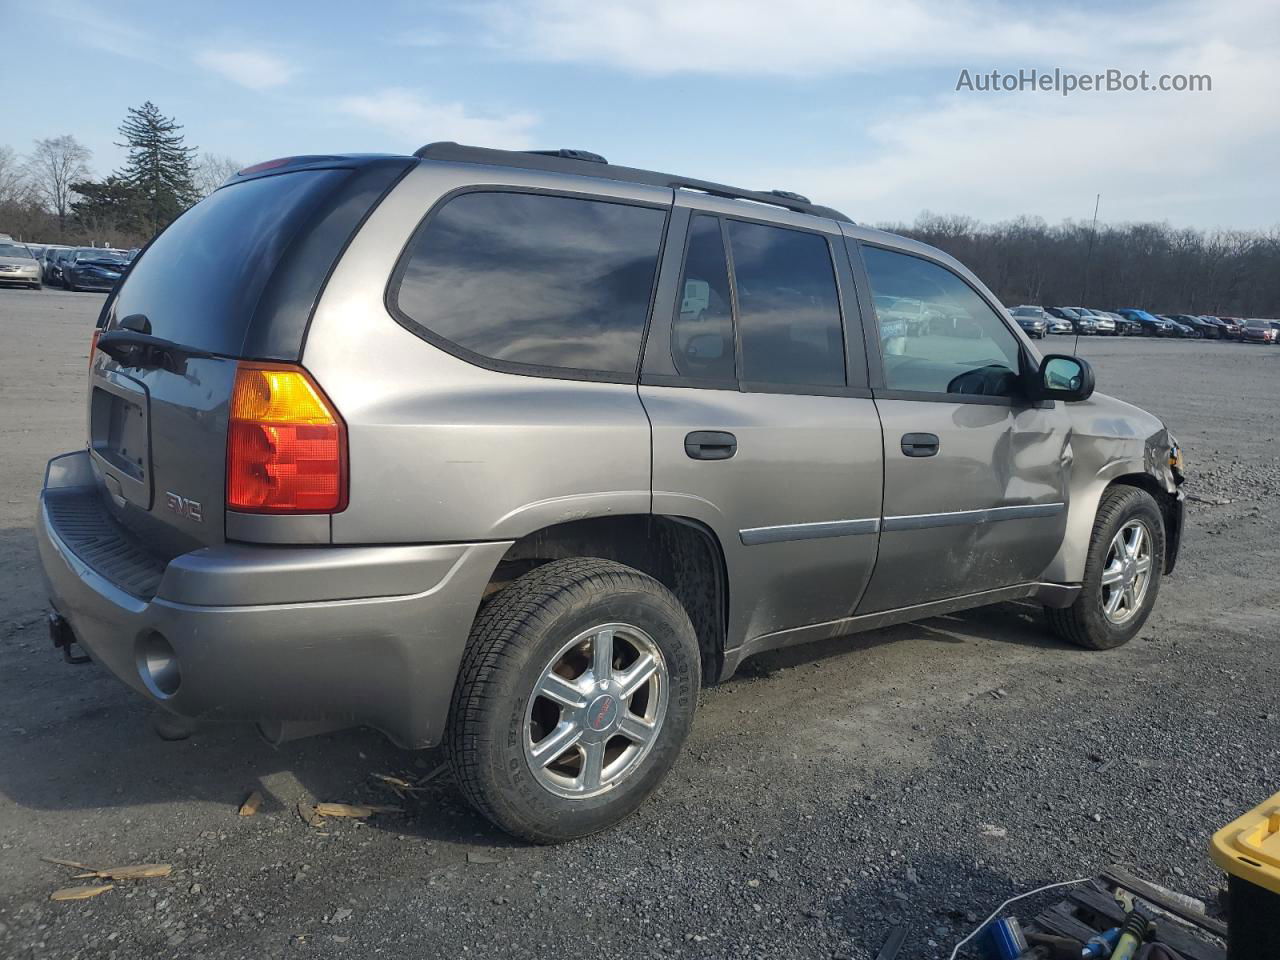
(235, 277)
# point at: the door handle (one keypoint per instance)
(710, 445)
(920, 444)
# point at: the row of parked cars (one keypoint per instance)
(1039, 322)
(74, 268)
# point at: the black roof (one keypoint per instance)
(586, 164)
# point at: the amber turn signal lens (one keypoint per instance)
(286, 445)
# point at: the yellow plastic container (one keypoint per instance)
(1248, 849)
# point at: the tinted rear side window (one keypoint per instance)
(788, 308)
(552, 284)
(199, 283)
(702, 330)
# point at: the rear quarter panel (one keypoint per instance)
(440, 449)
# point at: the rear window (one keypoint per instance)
(555, 285)
(199, 283)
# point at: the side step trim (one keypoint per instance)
(1052, 594)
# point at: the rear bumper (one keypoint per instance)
(293, 638)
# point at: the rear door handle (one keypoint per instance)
(710, 445)
(920, 444)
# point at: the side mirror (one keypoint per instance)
(1061, 377)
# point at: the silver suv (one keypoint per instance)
(514, 451)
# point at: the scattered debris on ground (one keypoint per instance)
(251, 804)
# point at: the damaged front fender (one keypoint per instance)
(1114, 442)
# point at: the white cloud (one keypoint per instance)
(1189, 157)
(249, 68)
(414, 120)
(87, 25)
(917, 143)
(809, 37)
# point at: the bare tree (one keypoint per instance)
(55, 164)
(14, 187)
(212, 170)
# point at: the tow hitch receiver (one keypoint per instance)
(62, 637)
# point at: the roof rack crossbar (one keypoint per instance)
(584, 163)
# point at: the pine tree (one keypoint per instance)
(159, 166)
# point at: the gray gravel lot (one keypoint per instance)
(921, 773)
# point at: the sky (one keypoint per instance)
(850, 102)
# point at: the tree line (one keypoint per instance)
(1152, 266)
(50, 196)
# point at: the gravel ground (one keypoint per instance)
(917, 774)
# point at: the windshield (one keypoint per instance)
(114, 256)
(15, 250)
(1026, 311)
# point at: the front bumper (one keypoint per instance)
(30, 278)
(89, 281)
(296, 639)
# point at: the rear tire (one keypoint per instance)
(543, 635)
(1107, 614)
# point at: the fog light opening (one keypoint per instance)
(158, 666)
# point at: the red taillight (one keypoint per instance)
(286, 444)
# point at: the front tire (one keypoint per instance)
(1121, 575)
(575, 696)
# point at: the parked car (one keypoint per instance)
(61, 257)
(90, 268)
(1080, 323)
(1033, 320)
(1103, 325)
(1152, 325)
(1260, 331)
(1222, 327)
(1200, 327)
(18, 266)
(489, 448)
(1124, 326)
(1180, 329)
(1233, 327)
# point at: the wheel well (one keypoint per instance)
(1167, 503)
(683, 555)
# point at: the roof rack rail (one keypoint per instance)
(569, 154)
(587, 164)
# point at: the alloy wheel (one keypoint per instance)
(596, 711)
(1126, 573)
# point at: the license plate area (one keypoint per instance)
(120, 437)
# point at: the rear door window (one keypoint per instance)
(788, 307)
(702, 344)
(535, 283)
